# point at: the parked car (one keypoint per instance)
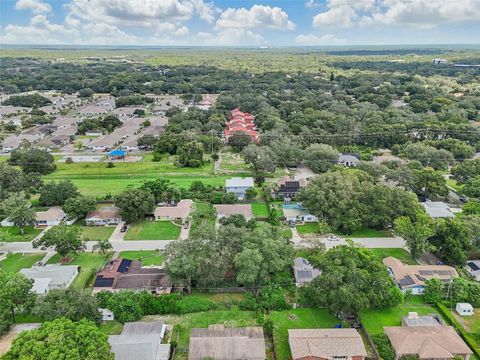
(292, 224)
(124, 228)
(463, 198)
(333, 238)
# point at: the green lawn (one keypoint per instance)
(96, 233)
(15, 262)
(374, 320)
(368, 233)
(147, 257)
(302, 318)
(221, 299)
(308, 228)
(13, 233)
(453, 184)
(89, 264)
(232, 161)
(400, 254)
(111, 327)
(153, 230)
(260, 210)
(230, 318)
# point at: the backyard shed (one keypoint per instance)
(464, 309)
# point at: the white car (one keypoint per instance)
(333, 238)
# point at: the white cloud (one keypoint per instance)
(240, 37)
(258, 16)
(35, 6)
(416, 13)
(342, 16)
(310, 4)
(313, 40)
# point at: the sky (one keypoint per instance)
(239, 22)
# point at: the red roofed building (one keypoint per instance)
(241, 122)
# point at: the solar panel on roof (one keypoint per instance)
(304, 274)
(100, 281)
(124, 265)
(473, 266)
(426, 272)
(407, 280)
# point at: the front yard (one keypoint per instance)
(374, 320)
(147, 257)
(153, 230)
(97, 233)
(260, 210)
(13, 233)
(400, 254)
(89, 264)
(308, 228)
(15, 262)
(302, 318)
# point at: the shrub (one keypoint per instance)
(384, 348)
(192, 304)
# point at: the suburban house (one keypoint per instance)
(123, 274)
(304, 272)
(180, 212)
(239, 186)
(326, 344)
(48, 277)
(413, 277)
(437, 209)
(234, 209)
(52, 217)
(473, 268)
(140, 340)
(104, 216)
(427, 342)
(297, 213)
(348, 160)
(218, 342)
(241, 122)
(288, 187)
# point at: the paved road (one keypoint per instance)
(117, 246)
(381, 242)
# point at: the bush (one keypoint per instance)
(384, 348)
(191, 304)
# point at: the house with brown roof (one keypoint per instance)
(326, 344)
(413, 277)
(104, 217)
(124, 274)
(180, 212)
(234, 209)
(218, 342)
(428, 342)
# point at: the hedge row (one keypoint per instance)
(459, 328)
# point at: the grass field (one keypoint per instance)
(374, 320)
(89, 264)
(153, 230)
(308, 228)
(302, 318)
(96, 233)
(147, 257)
(12, 233)
(232, 161)
(95, 179)
(230, 318)
(260, 210)
(16, 262)
(400, 254)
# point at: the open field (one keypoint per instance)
(147, 257)
(233, 162)
(88, 262)
(18, 261)
(260, 210)
(153, 230)
(374, 320)
(97, 233)
(400, 254)
(303, 318)
(12, 233)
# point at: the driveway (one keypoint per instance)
(117, 235)
(184, 232)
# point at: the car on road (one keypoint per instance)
(333, 238)
(124, 228)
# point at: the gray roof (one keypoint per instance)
(412, 319)
(57, 274)
(304, 272)
(143, 327)
(437, 209)
(239, 182)
(220, 343)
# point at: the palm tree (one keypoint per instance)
(103, 247)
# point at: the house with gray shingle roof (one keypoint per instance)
(304, 272)
(52, 276)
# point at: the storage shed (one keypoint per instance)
(464, 309)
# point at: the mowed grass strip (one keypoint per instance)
(13, 233)
(89, 264)
(302, 318)
(153, 230)
(147, 257)
(260, 210)
(97, 233)
(374, 320)
(15, 262)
